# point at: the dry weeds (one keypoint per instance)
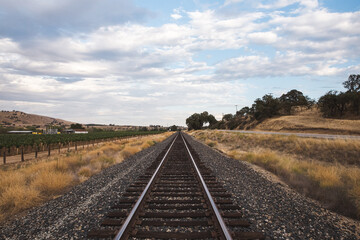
(300, 162)
(27, 185)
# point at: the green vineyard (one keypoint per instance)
(8, 140)
(12, 145)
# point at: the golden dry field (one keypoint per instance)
(327, 170)
(310, 121)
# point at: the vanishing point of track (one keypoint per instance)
(177, 198)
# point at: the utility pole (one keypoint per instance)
(236, 109)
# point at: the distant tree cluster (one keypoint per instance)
(76, 126)
(340, 104)
(197, 120)
(268, 106)
(262, 108)
(173, 128)
(332, 104)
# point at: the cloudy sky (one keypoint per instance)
(148, 62)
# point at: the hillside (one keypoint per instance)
(21, 119)
(310, 121)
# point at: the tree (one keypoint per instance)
(353, 83)
(334, 104)
(195, 121)
(143, 129)
(173, 128)
(354, 99)
(227, 117)
(243, 112)
(328, 104)
(76, 126)
(212, 120)
(204, 117)
(293, 98)
(266, 107)
(94, 129)
(353, 93)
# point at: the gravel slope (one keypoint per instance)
(75, 213)
(272, 207)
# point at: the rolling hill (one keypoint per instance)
(310, 121)
(21, 119)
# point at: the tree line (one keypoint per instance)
(340, 104)
(332, 105)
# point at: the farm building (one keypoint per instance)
(20, 132)
(50, 130)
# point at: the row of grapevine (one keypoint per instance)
(8, 140)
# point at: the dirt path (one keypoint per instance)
(308, 135)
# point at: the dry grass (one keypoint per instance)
(210, 143)
(310, 121)
(52, 182)
(335, 183)
(18, 198)
(344, 151)
(129, 150)
(85, 172)
(31, 184)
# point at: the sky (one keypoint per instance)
(150, 62)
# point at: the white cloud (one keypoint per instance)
(263, 37)
(133, 51)
(229, 2)
(308, 4)
(176, 16)
(8, 46)
(319, 24)
(278, 4)
(107, 99)
(289, 64)
(124, 68)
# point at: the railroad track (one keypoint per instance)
(177, 198)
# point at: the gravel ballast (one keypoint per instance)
(271, 206)
(72, 215)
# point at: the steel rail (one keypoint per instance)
(134, 209)
(213, 205)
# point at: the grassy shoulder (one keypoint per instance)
(23, 186)
(324, 169)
